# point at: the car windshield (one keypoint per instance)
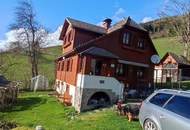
(179, 105)
(160, 99)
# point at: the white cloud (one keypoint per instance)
(10, 37)
(52, 39)
(146, 19)
(99, 24)
(119, 15)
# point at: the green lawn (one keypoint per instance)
(40, 109)
(168, 44)
(21, 69)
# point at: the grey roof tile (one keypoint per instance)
(99, 52)
(101, 30)
(86, 26)
(179, 59)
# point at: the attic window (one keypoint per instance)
(126, 38)
(69, 37)
(140, 44)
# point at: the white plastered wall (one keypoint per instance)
(100, 82)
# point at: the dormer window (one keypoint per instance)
(140, 44)
(126, 38)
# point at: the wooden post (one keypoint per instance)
(162, 71)
(180, 78)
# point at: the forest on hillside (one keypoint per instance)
(161, 27)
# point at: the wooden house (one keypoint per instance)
(172, 68)
(99, 63)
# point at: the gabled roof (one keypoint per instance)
(126, 21)
(86, 26)
(96, 51)
(179, 59)
(98, 29)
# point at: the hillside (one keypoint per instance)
(168, 44)
(20, 69)
(162, 27)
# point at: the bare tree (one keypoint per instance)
(30, 33)
(177, 13)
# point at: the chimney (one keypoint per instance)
(107, 23)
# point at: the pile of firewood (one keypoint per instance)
(8, 95)
(7, 125)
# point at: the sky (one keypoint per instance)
(52, 13)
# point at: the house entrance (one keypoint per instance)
(96, 67)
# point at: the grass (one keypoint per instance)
(20, 69)
(40, 109)
(183, 85)
(168, 44)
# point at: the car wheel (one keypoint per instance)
(150, 125)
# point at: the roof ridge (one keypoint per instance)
(69, 18)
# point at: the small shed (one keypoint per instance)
(39, 82)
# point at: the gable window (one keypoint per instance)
(126, 38)
(69, 36)
(140, 44)
(120, 70)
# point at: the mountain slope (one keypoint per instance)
(168, 44)
(19, 69)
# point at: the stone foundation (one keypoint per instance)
(83, 96)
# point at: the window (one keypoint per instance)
(120, 70)
(59, 66)
(68, 64)
(160, 99)
(71, 64)
(98, 67)
(140, 73)
(140, 44)
(179, 105)
(126, 38)
(69, 36)
(62, 66)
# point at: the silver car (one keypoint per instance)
(166, 110)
